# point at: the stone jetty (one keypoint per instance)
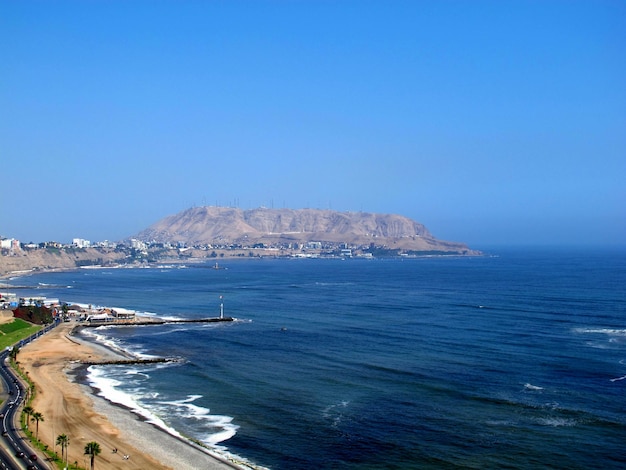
(156, 322)
(156, 360)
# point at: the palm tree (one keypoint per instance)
(37, 416)
(14, 352)
(92, 448)
(63, 441)
(28, 410)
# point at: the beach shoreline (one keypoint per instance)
(54, 362)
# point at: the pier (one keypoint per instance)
(156, 360)
(156, 322)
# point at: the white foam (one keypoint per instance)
(169, 317)
(335, 412)
(217, 437)
(617, 379)
(528, 386)
(220, 428)
(137, 372)
(499, 422)
(114, 344)
(605, 331)
(94, 335)
(107, 389)
(556, 422)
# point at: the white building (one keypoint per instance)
(10, 244)
(106, 244)
(80, 243)
(138, 244)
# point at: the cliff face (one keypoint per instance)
(42, 259)
(220, 225)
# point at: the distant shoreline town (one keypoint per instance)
(221, 232)
(21, 258)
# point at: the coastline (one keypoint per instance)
(31, 263)
(71, 406)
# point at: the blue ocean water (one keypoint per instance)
(509, 361)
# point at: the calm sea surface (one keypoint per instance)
(509, 361)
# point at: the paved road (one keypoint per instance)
(15, 452)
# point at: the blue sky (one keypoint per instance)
(491, 122)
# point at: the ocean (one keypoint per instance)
(510, 360)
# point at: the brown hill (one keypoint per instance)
(50, 259)
(222, 225)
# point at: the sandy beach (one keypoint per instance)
(71, 408)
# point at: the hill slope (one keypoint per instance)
(49, 259)
(222, 225)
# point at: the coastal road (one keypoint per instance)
(14, 449)
(15, 453)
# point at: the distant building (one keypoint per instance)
(122, 314)
(138, 244)
(10, 244)
(100, 318)
(7, 300)
(51, 244)
(37, 301)
(81, 243)
(106, 244)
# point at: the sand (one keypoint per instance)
(69, 407)
(6, 316)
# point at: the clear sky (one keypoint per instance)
(491, 122)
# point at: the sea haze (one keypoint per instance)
(509, 361)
